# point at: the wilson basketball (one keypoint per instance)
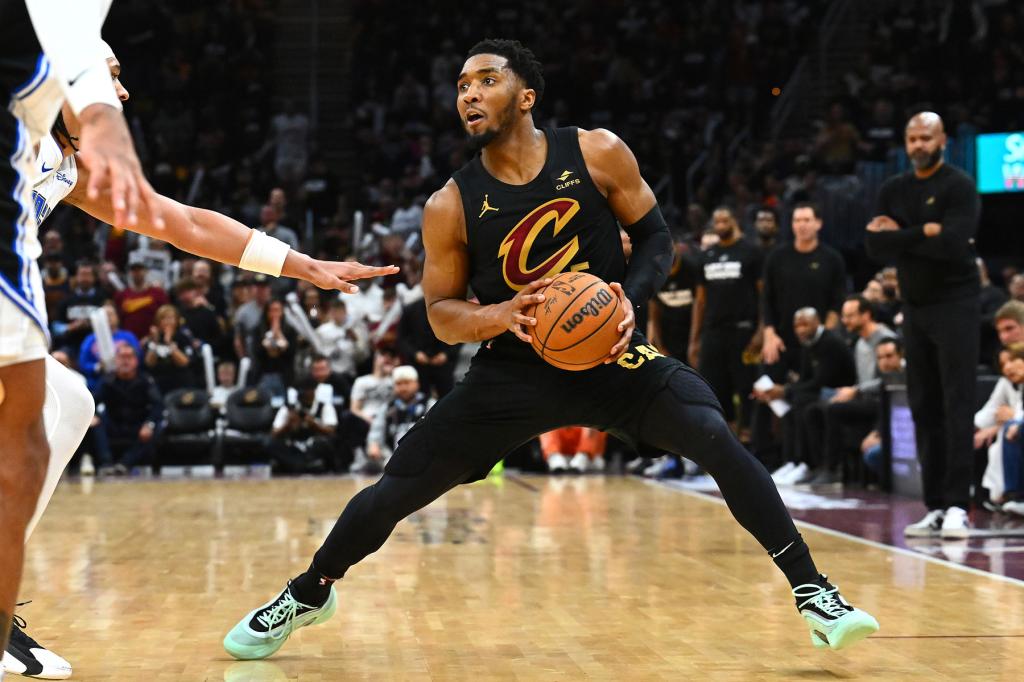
(577, 323)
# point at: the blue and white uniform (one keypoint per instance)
(74, 69)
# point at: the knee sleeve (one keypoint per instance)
(67, 412)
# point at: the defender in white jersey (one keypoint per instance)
(72, 69)
(69, 407)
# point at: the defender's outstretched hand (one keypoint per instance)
(332, 274)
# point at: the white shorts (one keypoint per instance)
(21, 339)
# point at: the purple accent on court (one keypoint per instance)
(881, 517)
(885, 516)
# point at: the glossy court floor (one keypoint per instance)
(523, 578)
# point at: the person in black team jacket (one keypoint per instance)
(532, 204)
(928, 217)
(725, 313)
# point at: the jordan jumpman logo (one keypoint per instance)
(486, 207)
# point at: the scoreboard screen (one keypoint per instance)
(1000, 162)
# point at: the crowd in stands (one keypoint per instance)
(678, 81)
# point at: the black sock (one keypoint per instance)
(312, 588)
(794, 559)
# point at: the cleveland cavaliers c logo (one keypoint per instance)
(515, 249)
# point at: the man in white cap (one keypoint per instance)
(406, 406)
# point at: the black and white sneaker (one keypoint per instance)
(928, 527)
(25, 656)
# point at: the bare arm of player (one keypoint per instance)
(614, 169)
(211, 235)
(446, 280)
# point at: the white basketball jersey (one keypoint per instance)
(56, 176)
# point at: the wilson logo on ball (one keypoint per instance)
(590, 309)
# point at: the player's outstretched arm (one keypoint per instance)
(209, 234)
(446, 280)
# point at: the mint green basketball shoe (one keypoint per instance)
(833, 622)
(264, 630)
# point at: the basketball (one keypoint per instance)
(577, 323)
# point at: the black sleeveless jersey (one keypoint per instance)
(555, 223)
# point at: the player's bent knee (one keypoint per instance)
(704, 427)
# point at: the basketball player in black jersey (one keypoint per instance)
(532, 204)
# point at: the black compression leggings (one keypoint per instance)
(695, 431)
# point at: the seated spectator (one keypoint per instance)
(72, 325)
(273, 349)
(587, 444)
(90, 364)
(854, 410)
(433, 359)
(227, 383)
(249, 315)
(345, 339)
(858, 317)
(825, 363)
(129, 415)
(370, 394)
(209, 288)
(340, 384)
(138, 303)
(200, 316)
(302, 431)
(404, 409)
(169, 351)
(998, 423)
(1009, 323)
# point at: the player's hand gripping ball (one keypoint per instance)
(577, 323)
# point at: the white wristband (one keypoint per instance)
(92, 86)
(264, 253)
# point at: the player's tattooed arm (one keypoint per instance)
(446, 280)
(209, 234)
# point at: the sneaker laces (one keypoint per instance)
(18, 630)
(824, 598)
(283, 610)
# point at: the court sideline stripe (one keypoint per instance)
(855, 538)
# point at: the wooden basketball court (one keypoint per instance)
(517, 578)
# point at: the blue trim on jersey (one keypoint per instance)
(22, 295)
(26, 307)
(35, 80)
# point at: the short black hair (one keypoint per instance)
(894, 340)
(521, 61)
(808, 204)
(863, 305)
